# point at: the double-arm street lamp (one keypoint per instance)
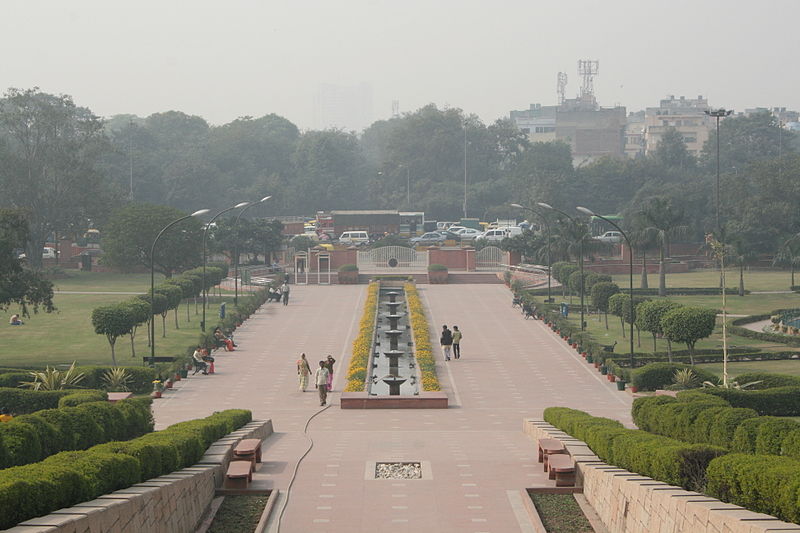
(205, 236)
(580, 252)
(547, 233)
(236, 251)
(591, 213)
(152, 280)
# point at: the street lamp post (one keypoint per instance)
(205, 236)
(718, 114)
(580, 252)
(153, 280)
(236, 252)
(547, 234)
(589, 212)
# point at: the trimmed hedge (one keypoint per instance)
(660, 375)
(768, 381)
(14, 379)
(661, 458)
(703, 356)
(24, 401)
(761, 483)
(780, 401)
(69, 478)
(141, 378)
(671, 291)
(84, 396)
(32, 437)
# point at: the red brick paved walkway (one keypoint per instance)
(479, 459)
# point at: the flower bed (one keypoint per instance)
(357, 371)
(422, 340)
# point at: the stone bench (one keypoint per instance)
(239, 475)
(562, 469)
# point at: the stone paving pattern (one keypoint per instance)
(477, 456)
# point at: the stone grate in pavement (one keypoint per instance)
(510, 369)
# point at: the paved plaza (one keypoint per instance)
(476, 460)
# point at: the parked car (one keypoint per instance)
(610, 237)
(468, 234)
(356, 238)
(494, 235)
(429, 238)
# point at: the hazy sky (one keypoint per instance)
(228, 58)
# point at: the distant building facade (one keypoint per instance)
(685, 115)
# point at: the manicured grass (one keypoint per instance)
(751, 304)
(560, 513)
(791, 366)
(77, 280)
(238, 514)
(755, 280)
(67, 335)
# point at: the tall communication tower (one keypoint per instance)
(588, 69)
(395, 108)
(561, 87)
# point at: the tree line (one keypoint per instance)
(69, 169)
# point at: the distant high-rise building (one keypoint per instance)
(343, 107)
(687, 115)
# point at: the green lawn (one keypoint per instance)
(791, 366)
(105, 282)
(67, 334)
(755, 280)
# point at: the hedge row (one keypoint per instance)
(141, 378)
(68, 478)
(24, 401)
(761, 483)
(30, 438)
(713, 356)
(702, 419)
(780, 401)
(357, 370)
(655, 376)
(661, 458)
(671, 291)
(422, 340)
(765, 380)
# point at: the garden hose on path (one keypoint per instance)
(297, 466)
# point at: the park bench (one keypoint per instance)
(114, 397)
(609, 347)
(548, 447)
(562, 469)
(239, 475)
(250, 450)
(516, 301)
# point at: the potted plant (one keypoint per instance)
(348, 274)
(611, 377)
(589, 359)
(634, 388)
(158, 388)
(621, 385)
(437, 273)
(168, 383)
(603, 370)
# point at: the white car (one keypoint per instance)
(357, 238)
(468, 234)
(495, 235)
(610, 237)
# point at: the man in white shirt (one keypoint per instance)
(321, 381)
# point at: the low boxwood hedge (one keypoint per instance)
(780, 401)
(654, 376)
(710, 356)
(24, 401)
(84, 396)
(762, 483)
(767, 380)
(32, 437)
(68, 478)
(661, 458)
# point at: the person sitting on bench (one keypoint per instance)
(15, 321)
(222, 340)
(199, 363)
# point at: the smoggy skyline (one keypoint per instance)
(225, 60)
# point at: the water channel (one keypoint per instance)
(393, 369)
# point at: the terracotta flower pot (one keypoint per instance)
(634, 388)
(168, 384)
(156, 394)
(611, 377)
(177, 376)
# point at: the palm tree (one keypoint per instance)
(665, 220)
(788, 255)
(742, 252)
(643, 240)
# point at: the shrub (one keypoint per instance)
(77, 398)
(746, 433)
(14, 379)
(762, 483)
(768, 381)
(422, 340)
(772, 433)
(363, 343)
(71, 477)
(791, 444)
(688, 325)
(22, 401)
(781, 401)
(436, 267)
(658, 375)
(348, 268)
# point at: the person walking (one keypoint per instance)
(321, 382)
(303, 371)
(329, 365)
(446, 340)
(285, 293)
(457, 342)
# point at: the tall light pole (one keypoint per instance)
(236, 252)
(465, 169)
(580, 252)
(718, 114)
(153, 280)
(547, 233)
(205, 236)
(591, 213)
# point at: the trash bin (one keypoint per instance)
(86, 262)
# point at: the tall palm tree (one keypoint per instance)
(742, 252)
(789, 255)
(666, 221)
(643, 240)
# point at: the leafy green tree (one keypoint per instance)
(562, 271)
(743, 252)
(747, 140)
(130, 233)
(689, 325)
(666, 221)
(48, 157)
(301, 243)
(113, 321)
(601, 292)
(186, 285)
(174, 295)
(19, 286)
(648, 318)
(671, 150)
(139, 312)
(160, 307)
(530, 245)
(788, 255)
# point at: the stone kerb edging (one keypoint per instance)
(172, 503)
(631, 503)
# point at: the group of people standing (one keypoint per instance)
(451, 342)
(281, 294)
(323, 376)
